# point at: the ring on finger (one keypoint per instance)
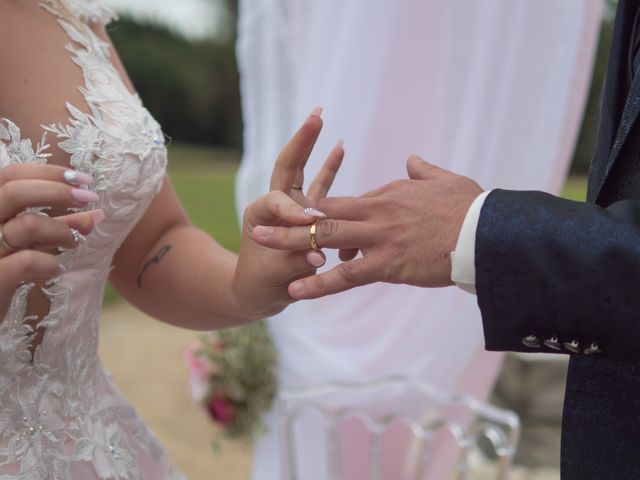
(296, 187)
(4, 243)
(78, 237)
(313, 240)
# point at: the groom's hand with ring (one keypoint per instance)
(405, 231)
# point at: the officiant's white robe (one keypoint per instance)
(494, 90)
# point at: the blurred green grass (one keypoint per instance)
(575, 188)
(204, 181)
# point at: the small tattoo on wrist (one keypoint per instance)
(155, 260)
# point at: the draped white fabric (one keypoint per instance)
(494, 90)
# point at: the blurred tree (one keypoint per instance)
(584, 147)
(229, 18)
(191, 87)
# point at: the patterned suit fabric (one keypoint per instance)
(562, 277)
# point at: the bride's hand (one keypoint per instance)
(262, 274)
(29, 241)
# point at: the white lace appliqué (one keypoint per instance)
(61, 417)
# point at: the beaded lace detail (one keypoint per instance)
(61, 416)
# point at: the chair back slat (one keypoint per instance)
(424, 412)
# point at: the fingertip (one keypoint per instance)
(316, 112)
(314, 123)
(415, 159)
(296, 289)
(316, 258)
(262, 232)
(97, 216)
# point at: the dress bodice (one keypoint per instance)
(60, 415)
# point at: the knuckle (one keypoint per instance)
(398, 184)
(328, 228)
(8, 172)
(27, 226)
(4, 174)
(271, 197)
(10, 190)
(348, 273)
(321, 285)
(29, 262)
(285, 232)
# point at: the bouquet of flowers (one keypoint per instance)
(232, 374)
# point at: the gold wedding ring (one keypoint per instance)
(4, 244)
(312, 236)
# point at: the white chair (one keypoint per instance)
(317, 415)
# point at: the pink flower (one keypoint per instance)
(200, 371)
(199, 389)
(221, 410)
(198, 365)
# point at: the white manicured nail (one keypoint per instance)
(84, 196)
(75, 178)
(312, 212)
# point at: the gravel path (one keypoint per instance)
(145, 359)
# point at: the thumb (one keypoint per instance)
(418, 169)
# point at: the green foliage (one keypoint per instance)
(584, 147)
(243, 364)
(575, 188)
(190, 87)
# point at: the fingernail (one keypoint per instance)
(340, 143)
(297, 288)
(78, 237)
(316, 112)
(264, 232)
(84, 196)
(73, 177)
(312, 212)
(62, 268)
(315, 259)
(97, 216)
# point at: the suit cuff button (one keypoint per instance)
(553, 343)
(531, 341)
(572, 346)
(592, 349)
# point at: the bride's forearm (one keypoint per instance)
(186, 279)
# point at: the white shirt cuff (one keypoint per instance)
(463, 259)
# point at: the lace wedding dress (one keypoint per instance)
(61, 416)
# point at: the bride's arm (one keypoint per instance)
(178, 274)
(174, 272)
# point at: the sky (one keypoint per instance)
(193, 18)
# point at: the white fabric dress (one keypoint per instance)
(61, 416)
(494, 90)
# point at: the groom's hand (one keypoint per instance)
(405, 230)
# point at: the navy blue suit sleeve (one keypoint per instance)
(561, 274)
